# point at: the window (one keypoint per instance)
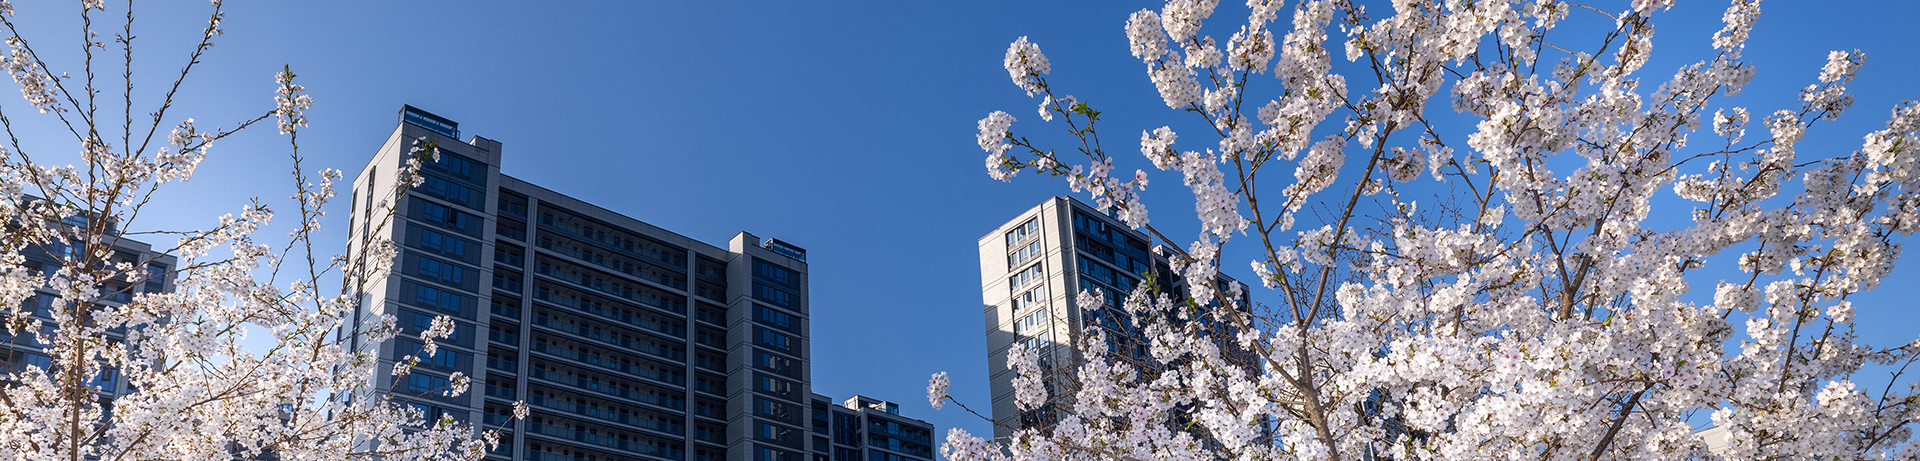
(774, 295)
(417, 382)
(105, 380)
(439, 271)
(441, 357)
(775, 340)
(1034, 297)
(1026, 253)
(775, 386)
(446, 217)
(775, 433)
(774, 273)
(769, 454)
(775, 410)
(156, 276)
(434, 297)
(1028, 229)
(442, 243)
(422, 322)
(428, 413)
(457, 165)
(775, 363)
(1042, 339)
(1030, 322)
(776, 318)
(442, 188)
(1024, 277)
(44, 362)
(1109, 277)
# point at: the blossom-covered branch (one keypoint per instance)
(1533, 314)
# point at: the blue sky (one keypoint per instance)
(843, 127)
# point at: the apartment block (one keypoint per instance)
(1031, 270)
(628, 341)
(861, 428)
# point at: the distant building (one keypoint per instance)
(1031, 270)
(627, 340)
(865, 429)
(18, 353)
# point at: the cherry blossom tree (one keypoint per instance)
(1522, 313)
(193, 387)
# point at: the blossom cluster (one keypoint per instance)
(1555, 306)
(136, 373)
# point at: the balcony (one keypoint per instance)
(607, 388)
(576, 409)
(541, 319)
(603, 362)
(600, 440)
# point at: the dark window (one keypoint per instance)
(776, 318)
(434, 297)
(774, 410)
(773, 273)
(774, 363)
(440, 187)
(442, 357)
(773, 295)
(777, 434)
(439, 271)
(774, 385)
(769, 454)
(776, 340)
(441, 215)
(442, 243)
(458, 165)
(156, 276)
(423, 383)
(422, 322)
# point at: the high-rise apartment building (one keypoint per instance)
(862, 428)
(629, 342)
(1031, 270)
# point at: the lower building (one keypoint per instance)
(866, 429)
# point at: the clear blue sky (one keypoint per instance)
(843, 127)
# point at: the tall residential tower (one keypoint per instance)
(628, 341)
